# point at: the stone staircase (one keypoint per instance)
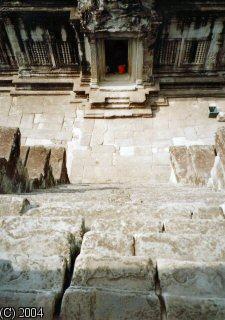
(115, 252)
(115, 103)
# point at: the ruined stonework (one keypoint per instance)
(199, 165)
(13, 174)
(192, 165)
(24, 169)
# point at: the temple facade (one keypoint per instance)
(163, 46)
(71, 72)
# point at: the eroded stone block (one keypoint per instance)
(200, 226)
(127, 273)
(181, 163)
(203, 158)
(21, 272)
(36, 299)
(187, 278)
(38, 168)
(106, 244)
(192, 165)
(192, 308)
(193, 247)
(102, 304)
(10, 144)
(58, 164)
(220, 144)
(127, 226)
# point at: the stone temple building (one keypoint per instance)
(60, 81)
(117, 107)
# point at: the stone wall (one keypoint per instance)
(110, 150)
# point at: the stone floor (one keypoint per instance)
(111, 150)
(109, 252)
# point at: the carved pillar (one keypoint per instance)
(80, 44)
(140, 56)
(10, 30)
(94, 63)
(215, 44)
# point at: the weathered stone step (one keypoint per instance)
(126, 273)
(176, 226)
(194, 289)
(187, 278)
(188, 226)
(86, 303)
(128, 226)
(118, 100)
(123, 113)
(27, 224)
(106, 244)
(192, 247)
(193, 308)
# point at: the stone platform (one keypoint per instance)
(113, 252)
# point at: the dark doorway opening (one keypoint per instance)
(116, 56)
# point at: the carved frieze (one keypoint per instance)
(117, 16)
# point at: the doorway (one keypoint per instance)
(116, 60)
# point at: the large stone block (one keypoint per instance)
(193, 247)
(181, 163)
(220, 144)
(203, 158)
(193, 226)
(192, 308)
(126, 273)
(58, 165)
(192, 165)
(106, 244)
(102, 304)
(28, 224)
(36, 255)
(38, 168)
(43, 300)
(21, 272)
(10, 144)
(128, 226)
(13, 176)
(217, 179)
(186, 278)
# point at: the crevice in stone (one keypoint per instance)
(134, 247)
(158, 292)
(75, 248)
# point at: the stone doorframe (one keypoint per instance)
(135, 56)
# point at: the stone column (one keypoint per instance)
(94, 63)
(10, 30)
(140, 56)
(80, 39)
(215, 44)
